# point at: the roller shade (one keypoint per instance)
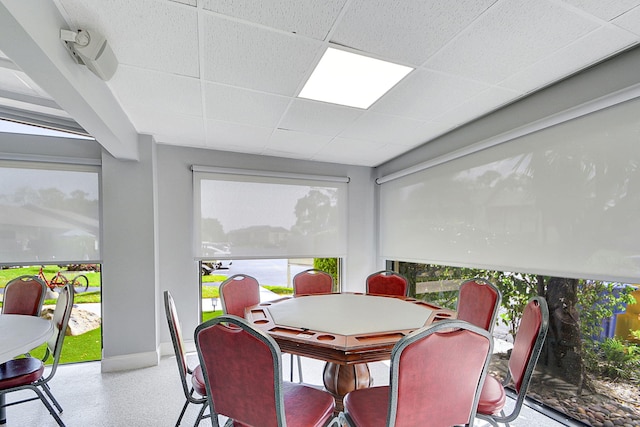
(253, 214)
(49, 213)
(562, 201)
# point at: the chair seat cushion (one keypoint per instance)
(19, 372)
(306, 406)
(368, 406)
(197, 381)
(492, 397)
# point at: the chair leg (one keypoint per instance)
(184, 408)
(47, 390)
(201, 414)
(47, 404)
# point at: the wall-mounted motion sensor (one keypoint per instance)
(91, 49)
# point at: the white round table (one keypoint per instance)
(20, 334)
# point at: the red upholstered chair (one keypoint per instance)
(243, 377)
(194, 375)
(522, 362)
(435, 379)
(237, 292)
(387, 282)
(28, 372)
(478, 303)
(240, 291)
(24, 295)
(312, 281)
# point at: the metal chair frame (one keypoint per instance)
(183, 368)
(54, 349)
(316, 274)
(276, 357)
(233, 281)
(496, 306)
(419, 334)
(24, 281)
(529, 369)
(387, 273)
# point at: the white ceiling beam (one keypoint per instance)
(30, 37)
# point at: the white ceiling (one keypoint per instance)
(224, 75)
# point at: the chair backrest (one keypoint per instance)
(61, 316)
(387, 282)
(437, 374)
(528, 343)
(176, 338)
(238, 292)
(312, 281)
(242, 371)
(478, 303)
(24, 295)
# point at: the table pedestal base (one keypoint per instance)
(341, 379)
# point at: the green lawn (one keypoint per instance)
(88, 347)
(49, 271)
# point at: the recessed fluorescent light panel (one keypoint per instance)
(353, 80)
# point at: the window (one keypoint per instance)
(49, 213)
(244, 215)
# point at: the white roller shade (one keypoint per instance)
(49, 213)
(252, 215)
(562, 201)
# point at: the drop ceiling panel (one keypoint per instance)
(425, 95)
(391, 129)
(487, 100)
(224, 74)
(287, 143)
(243, 106)
(630, 21)
(157, 91)
(168, 127)
(586, 51)
(604, 9)
(309, 18)
(359, 152)
(510, 37)
(318, 117)
(238, 54)
(236, 137)
(160, 35)
(405, 31)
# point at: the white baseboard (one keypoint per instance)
(130, 361)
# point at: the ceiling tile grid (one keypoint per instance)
(604, 9)
(224, 74)
(425, 95)
(236, 137)
(288, 143)
(169, 128)
(309, 18)
(630, 21)
(588, 50)
(243, 55)
(157, 91)
(234, 104)
(406, 31)
(318, 117)
(511, 36)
